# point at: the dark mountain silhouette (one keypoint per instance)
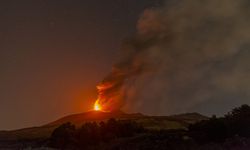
(151, 122)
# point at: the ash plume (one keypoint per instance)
(188, 55)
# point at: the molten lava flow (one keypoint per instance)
(97, 106)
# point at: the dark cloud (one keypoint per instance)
(185, 55)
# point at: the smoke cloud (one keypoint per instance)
(188, 55)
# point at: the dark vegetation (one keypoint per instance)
(235, 123)
(230, 132)
(91, 134)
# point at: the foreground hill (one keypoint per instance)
(151, 122)
(230, 132)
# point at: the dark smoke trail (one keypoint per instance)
(187, 55)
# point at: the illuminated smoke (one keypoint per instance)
(187, 55)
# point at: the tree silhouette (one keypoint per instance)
(63, 136)
(234, 123)
(91, 133)
(239, 121)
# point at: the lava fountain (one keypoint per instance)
(97, 106)
(109, 96)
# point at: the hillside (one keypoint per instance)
(151, 122)
(90, 116)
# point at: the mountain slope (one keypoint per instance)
(150, 122)
(94, 116)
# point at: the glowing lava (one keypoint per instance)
(97, 106)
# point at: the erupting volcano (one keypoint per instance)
(111, 92)
(108, 99)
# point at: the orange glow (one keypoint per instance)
(97, 106)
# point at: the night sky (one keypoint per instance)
(156, 57)
(53, 54)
